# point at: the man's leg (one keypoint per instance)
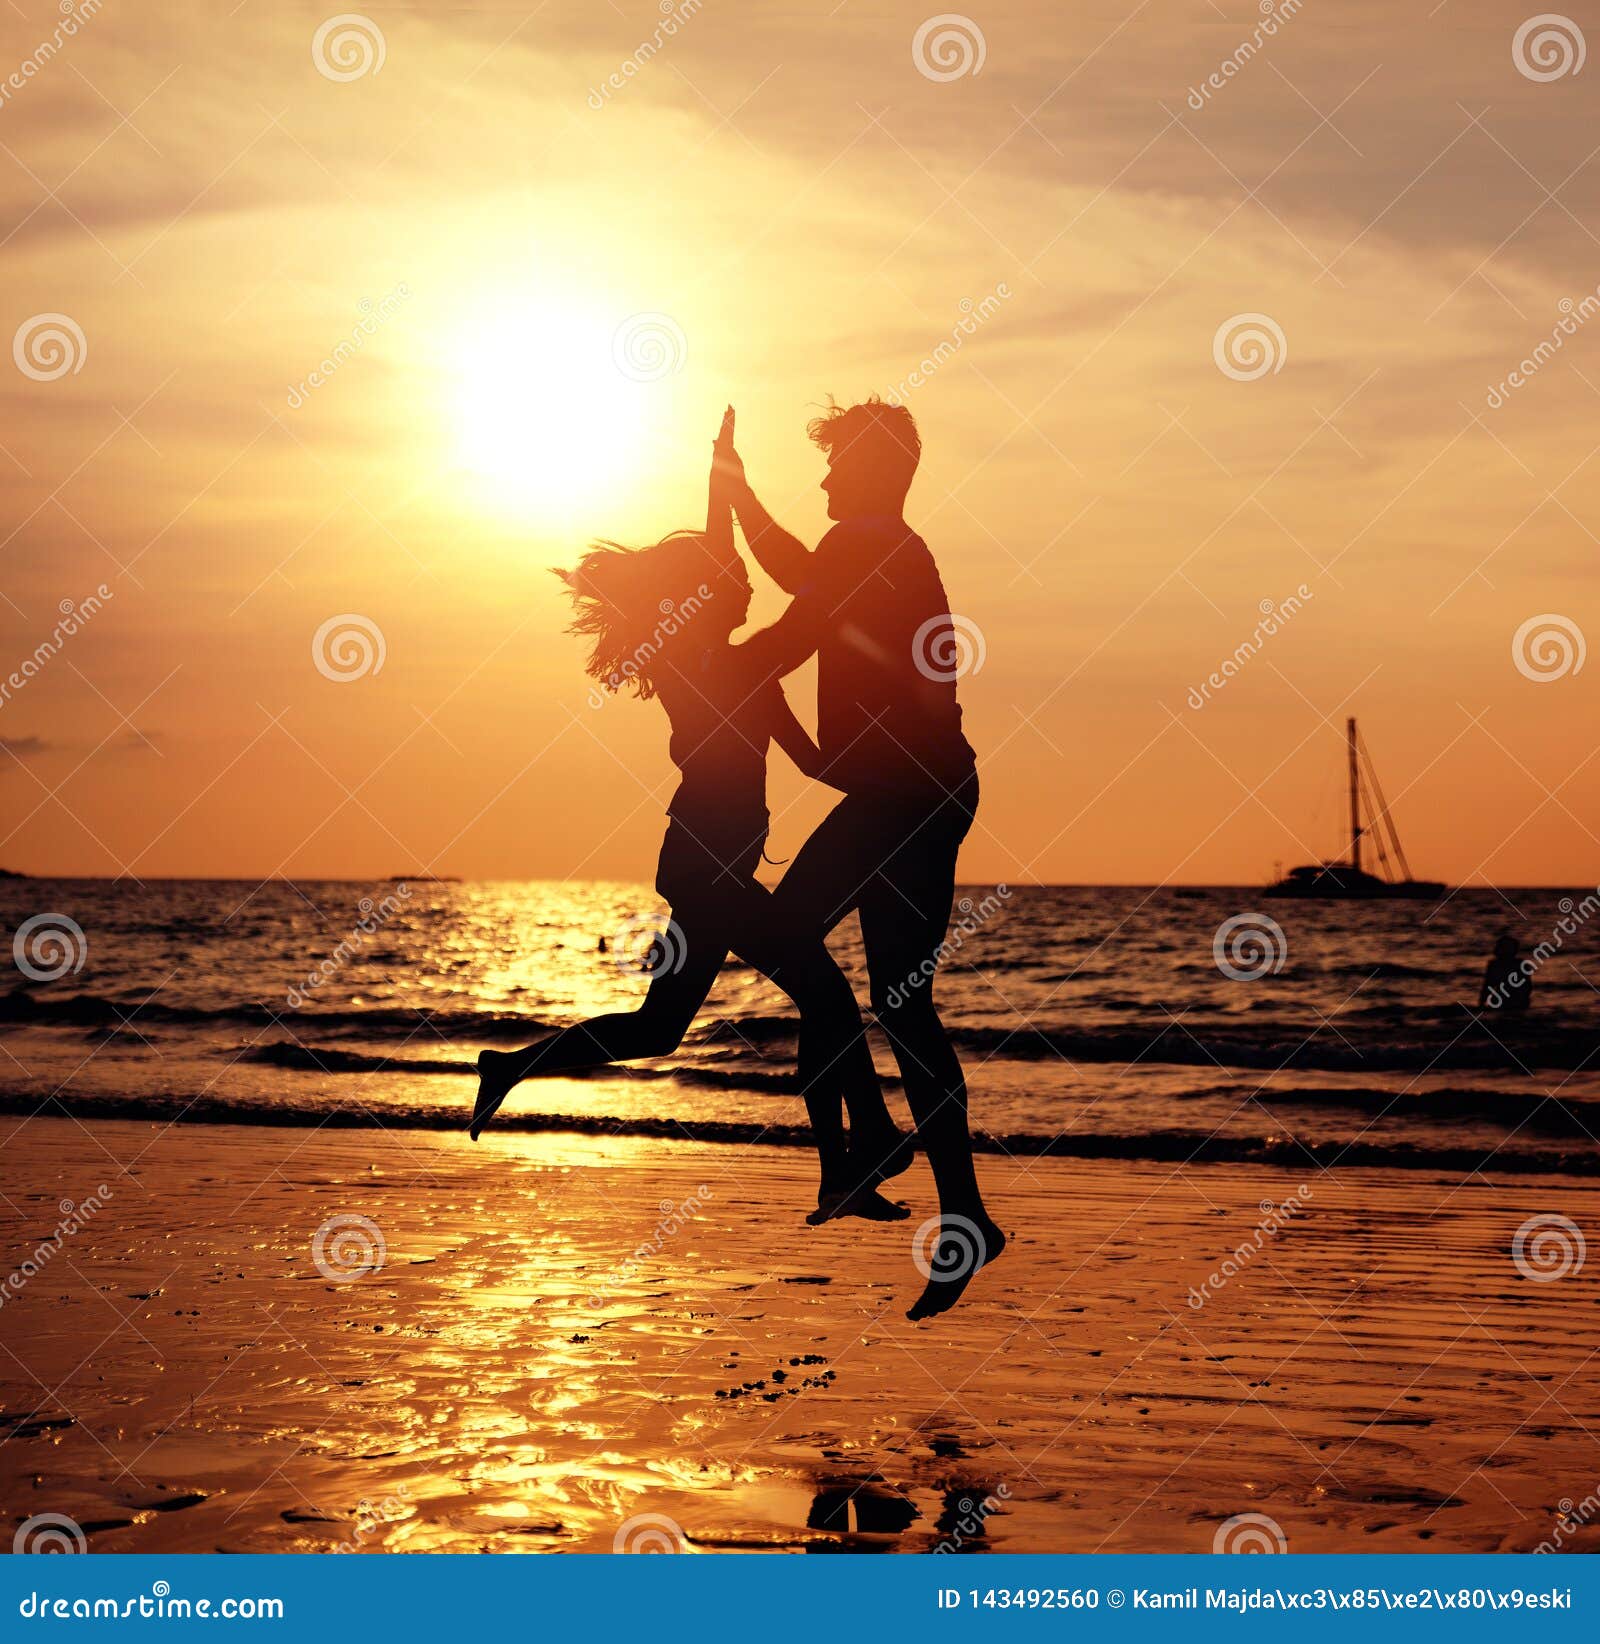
(905, 912)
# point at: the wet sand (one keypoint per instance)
(574, 1339)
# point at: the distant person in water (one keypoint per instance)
(660, 620)
(1507, 984)
(869, 604)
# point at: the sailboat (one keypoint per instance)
(1349, 880)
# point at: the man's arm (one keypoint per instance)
(770, 653)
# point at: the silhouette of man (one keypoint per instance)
(870, 604)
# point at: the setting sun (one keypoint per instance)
(558, 405)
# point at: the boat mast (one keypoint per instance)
(1355, 797)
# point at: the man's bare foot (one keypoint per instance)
(948, 1251)
(493, 1088)
(866, 1202)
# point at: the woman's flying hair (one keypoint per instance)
(634, 602)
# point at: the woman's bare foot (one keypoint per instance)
(493, 1087)
(866, 1202)
(948, 1251)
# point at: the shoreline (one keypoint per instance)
(1196, 1148)
(565, 1333)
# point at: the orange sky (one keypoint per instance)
(812, 214)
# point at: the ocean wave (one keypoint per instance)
(1166, 1146)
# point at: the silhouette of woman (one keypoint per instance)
(660, 619)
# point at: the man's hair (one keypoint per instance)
(875, 432)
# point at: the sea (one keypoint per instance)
(1182, 1024)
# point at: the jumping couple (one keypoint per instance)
(868, 602)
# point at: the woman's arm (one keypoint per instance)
(794, 739)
